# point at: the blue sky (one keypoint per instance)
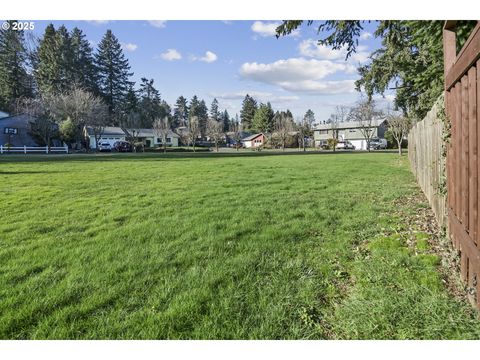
(227, 59)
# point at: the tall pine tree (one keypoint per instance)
(113, 74)
(85, 72)
(214, 114)
(249, 106)
(47, 65)
(150, 102)
(14, 78)
(180, 112)
(64, 51)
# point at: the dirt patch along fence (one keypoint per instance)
(426, 153)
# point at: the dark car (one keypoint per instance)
(122, 146)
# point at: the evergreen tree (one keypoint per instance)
(113, 73)
(64, 54)
(225, 118)
(214, 114)
(131, 102)
(249, 106)
(263, 119)
(180, 112)
(199, 109)
(47, 69)
(150, 102)
(85, 72)
(309, 117)
(14, 78)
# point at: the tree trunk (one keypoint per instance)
(399, 147)
(164, 147)
(216, 146)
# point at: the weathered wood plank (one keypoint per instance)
(472, 153)
(464, 157)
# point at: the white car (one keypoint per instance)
(378, 144)
(104, 146)
(345, 145)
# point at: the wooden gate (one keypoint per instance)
(462, 103)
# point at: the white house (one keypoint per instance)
(110, 135)
(150, 140)
(113, 134)
(350, 131)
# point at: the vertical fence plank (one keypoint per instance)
(464, 163)
(473, 158)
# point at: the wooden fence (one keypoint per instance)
(462, 101)
(425, 148)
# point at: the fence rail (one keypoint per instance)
(33, 149)
(425, 148)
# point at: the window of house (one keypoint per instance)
(352, 130)
(159, 140)
(169, 140)
(323, 132)
(10, 131)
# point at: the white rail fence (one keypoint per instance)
(33, 149)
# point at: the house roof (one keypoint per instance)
(3, 114)
(349, 125)
(109, 130)
(252, 137)
(151, 133)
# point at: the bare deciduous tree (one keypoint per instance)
(283, 125)
(399, 126)
(193, 130)
(97, 118)
(237, 129)
(161, 128)
(131, 124)
(333, 121)
(77, 105)
(215, 131)
(364, 114)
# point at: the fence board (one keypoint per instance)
(462, 90)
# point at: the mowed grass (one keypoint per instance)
(212, 246)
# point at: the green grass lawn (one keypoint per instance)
(217, 246)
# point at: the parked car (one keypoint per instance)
(378, 144)
(104, 146)
(345, 145)
(122, 146)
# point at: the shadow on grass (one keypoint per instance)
(172, 155)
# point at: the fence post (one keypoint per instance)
(24, 149)
(46, 149)
(66, 148)
(1, 149)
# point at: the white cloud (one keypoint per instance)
(365, 35)
(300, 75)
(266, 29)
(310, 48)
(129, 46)
(171, 55)
(98, 22)
(259, 95)
(158, 23)
(208, 58)
(227, 22)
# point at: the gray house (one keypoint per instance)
(350, 131)
(15, 130)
